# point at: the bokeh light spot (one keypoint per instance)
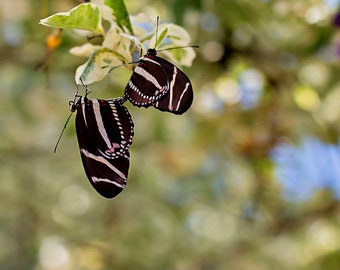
(213, 51)
(228, 90)
(53, 255)
(242, 37)
(208, 101)
(307, 168)
(209, 21)
(74, 200)
(306, 98)
(251, 85)
(330, 109)
(316, 14)
(315, 74)
(208, 223)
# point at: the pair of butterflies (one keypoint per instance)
(105, 128)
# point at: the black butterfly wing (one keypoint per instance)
(180, 95)
(148, 83)
(110, 124)
(106, 164)
(108, 177)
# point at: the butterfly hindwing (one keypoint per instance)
(108, 177)
(180, 95)
(104, 130)
(148, 83)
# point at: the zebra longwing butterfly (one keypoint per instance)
(157, 82)
(104, 130)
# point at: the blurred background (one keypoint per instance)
(248, 178)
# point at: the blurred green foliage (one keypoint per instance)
(202, 192)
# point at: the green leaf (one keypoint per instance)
(84, 16)
(162, 36)
(97, 66)
(121, 13)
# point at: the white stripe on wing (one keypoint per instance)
(100, 124)
(103, 161)
(180, 99)
(96, 179)
(147, 76)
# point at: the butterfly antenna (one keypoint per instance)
(72, 108)
(179, 47)
(62, 132)
(126, 64)
(157, 23)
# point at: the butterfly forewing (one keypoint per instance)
(110, 125)
(104, 130)
(180, 95)
(148, 83)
